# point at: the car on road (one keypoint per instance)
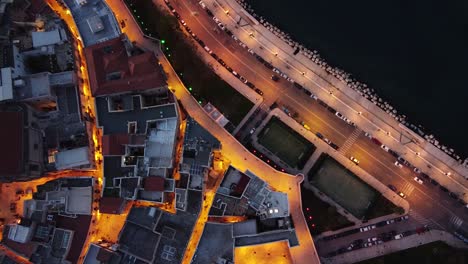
(398, 164)
(402, 195)
(384, 147)
(353, 159)
(252, 131)
(275, 78)
(249, 84)
(443, 188)
(369, 244)
(258, 91)
(418, 180)
(391, 187)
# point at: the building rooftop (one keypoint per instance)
(216, 242)
(11, 140)
(112, 71)
(157, 236)
(111, 205)
(114, 122)
(72, 158)
(95, 21)
(198, 144)
(44, 38)
(97, 255)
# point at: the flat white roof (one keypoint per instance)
(72, 158)
(45, 38)
(79, 200)
(19, 233)
(6, 87)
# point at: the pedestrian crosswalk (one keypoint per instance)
(407, 189)
(420, 219)
(350, 141)
(456, 221)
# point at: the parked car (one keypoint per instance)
(275, 78)
(252, 131)
(391, 221)
(453, 195)
(418, 171)
(393, 188)
(353, 159)
(372, 239)
(398, 164)
(402, 195)
(369, 135)
(443, 188)
(364, 229)
(418, 180)
(319, 135)
(399, 236)
(434, 182)
(384, 147)
(258, 91)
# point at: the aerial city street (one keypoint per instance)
(188, 131)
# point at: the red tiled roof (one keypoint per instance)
(111, 205)
(80, 226)
(154, 183)
(11, 140)
(139, 72)
(114, 144)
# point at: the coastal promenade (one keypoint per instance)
(240, 157)
(347, 101)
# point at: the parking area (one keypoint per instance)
(341, 185)
(285, 143)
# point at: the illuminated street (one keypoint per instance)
(142, 145)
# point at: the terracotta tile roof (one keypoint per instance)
(112, 71)
(114, 144)
(154, 183)
(11, 140)
(111, 205)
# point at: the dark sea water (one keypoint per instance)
(414, 53)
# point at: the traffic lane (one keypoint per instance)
(325, 247)
(407, 173)
(421, 197)
(239, 59)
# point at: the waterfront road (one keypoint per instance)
(428, 201)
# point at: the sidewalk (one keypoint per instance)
(347, 101)
(394, 246)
